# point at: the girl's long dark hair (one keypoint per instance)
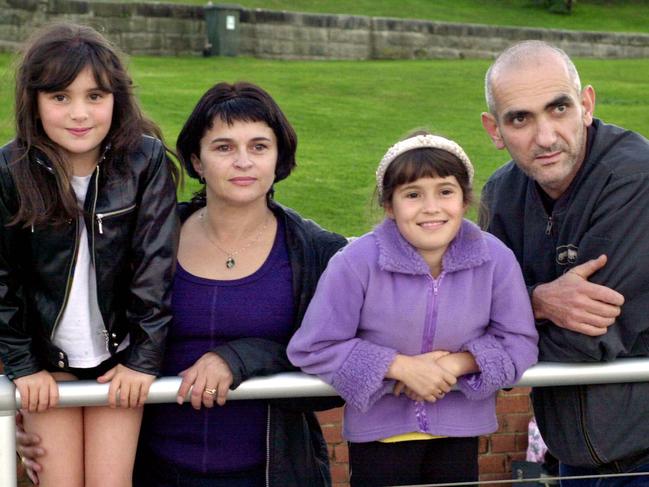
(51, 61)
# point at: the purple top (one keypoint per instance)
(207, 313)
(377, 298)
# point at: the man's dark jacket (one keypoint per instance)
(604, 211)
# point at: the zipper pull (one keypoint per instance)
(548, 227)
(32, 228)
(105, 333)
(436, 283)
(99, 222)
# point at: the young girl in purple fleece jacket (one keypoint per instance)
(425, 302)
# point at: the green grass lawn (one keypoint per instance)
(597, 15)
(347, 113)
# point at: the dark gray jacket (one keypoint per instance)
(604, 211)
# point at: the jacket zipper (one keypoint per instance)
(582, 418)
(431, 318)
(427, 344)
(548, 227)
(94, 215)
(68, 283)
(100, 216)
(94, 203)
(267, 474)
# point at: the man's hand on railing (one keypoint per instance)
(27, 446)
(573, 302)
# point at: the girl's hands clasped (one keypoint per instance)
(455, 364)
(38, 391)
(209, 378)
(128, 388)
(421, 377)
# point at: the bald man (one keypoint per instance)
(573, 205)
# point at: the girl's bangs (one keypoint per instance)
(417, 164)
(61, 68)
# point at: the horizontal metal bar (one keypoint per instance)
(286, 385)
(297, 384)
(546, 374)
(165, 389)
(543, 480)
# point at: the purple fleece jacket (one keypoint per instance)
(377, 298)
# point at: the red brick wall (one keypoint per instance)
(509, 443)
(331, 422)
(497, 451)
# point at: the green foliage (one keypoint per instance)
(596, 15)
(347, 114)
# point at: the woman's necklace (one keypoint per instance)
(230, 262)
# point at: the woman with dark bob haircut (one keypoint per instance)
(247, 268)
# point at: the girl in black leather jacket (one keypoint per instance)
(87, 248)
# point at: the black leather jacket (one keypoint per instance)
(297, 452)
(132, 235)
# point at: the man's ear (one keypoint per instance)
(491, 126)
(588, 103)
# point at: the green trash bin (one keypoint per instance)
(222, 29)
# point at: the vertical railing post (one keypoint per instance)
(7, 432)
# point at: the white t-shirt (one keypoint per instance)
(81, 332)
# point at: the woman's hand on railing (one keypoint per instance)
(209, 378)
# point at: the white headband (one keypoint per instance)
(419, 142)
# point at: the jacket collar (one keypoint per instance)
(41, 159)
(468, 249)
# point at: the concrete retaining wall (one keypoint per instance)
(138, 28)
(170, 29)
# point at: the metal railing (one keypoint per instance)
(286, 385)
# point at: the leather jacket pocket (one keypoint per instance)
(101, 217)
